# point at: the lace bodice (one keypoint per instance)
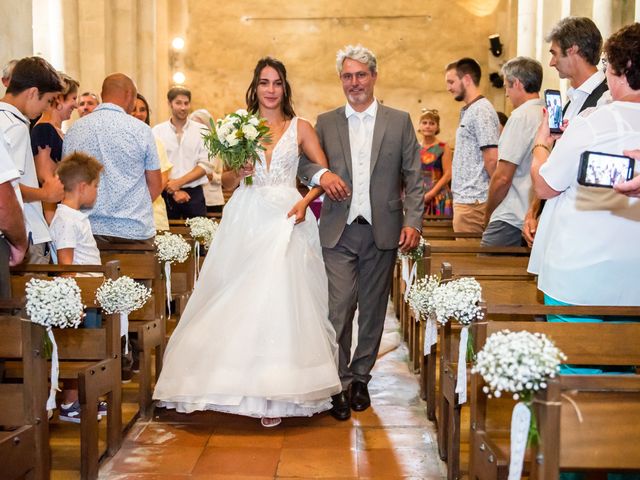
(284, 160)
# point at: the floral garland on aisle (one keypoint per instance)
(518, 363)
(54, 303)
(236, 139)
(123, 295)
(171, 248)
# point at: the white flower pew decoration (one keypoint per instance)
(420, 300)
(171, 248)
(414, 254)
(54, 303)
(520, 364)
(203, 230)
(123, 296)
(459, 300)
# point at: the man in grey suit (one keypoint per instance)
(373, 148)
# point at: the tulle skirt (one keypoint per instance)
(255, 338)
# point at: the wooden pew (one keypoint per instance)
(606, 439)
(182, 274)
(149, 323)
(495, 290)
(24, 451)
(89, 355)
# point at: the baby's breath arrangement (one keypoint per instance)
(420, 295)
(172, 248)
(202, 229)
(415, 253)
(518, 363)
(54, 303)
(237, 139)
(122, 295)
(457, 299)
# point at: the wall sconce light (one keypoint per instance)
(179, 78)
(494, 45)
(177, 43)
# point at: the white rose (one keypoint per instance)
(242, 112)
(231, 140)
(254, 121)
(250, 132)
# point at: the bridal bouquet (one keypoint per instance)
(54, 303)
(519, 363)
(202, 229)
(236, 139)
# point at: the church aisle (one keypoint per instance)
(390, 440)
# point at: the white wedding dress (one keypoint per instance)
(255, 338)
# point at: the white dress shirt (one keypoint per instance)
(577, 96)
(185, 152)
(360, 139)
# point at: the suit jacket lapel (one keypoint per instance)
(343, 132)
(378, 134)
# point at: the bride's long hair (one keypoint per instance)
(253, 105)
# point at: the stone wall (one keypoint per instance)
(413, 40)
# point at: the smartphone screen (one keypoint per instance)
(604, 170)
(554, 107)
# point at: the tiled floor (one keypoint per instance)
(390, 440)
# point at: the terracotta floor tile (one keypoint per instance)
(370, 438)
(238, 461)
(182, 435)
(392, 416)
(65, 475)
(230, 477)
(390, 464)
(320, 437)
(143, 476)
(317, 463)
(153, 459)
(321, 420)
(246, 437)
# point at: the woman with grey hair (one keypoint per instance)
(213, 195)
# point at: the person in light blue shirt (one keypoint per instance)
(126, 148)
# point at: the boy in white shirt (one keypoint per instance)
(74, 244)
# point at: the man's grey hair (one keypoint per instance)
(525, 69)
(7, 70)
(581, 32)
(359, 54)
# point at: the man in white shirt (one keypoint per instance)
(34, 83)
(510, 186)
(13, 235)
(576, 45)
(183, 141)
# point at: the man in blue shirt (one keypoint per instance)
(126, 148)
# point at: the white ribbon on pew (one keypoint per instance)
(167, 276)
(124, 330)
(430, 334)
(55, 371)
(405, 270)
(412, 276)
(520, 422)
(196, 271)
(461, 382)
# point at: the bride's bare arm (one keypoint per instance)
(232, 178)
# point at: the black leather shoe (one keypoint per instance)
(360, 396)
(340, 409)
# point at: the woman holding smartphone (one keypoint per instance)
(585, 251)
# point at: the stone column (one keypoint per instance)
(602, 16)
(527, 27)
(16, 34)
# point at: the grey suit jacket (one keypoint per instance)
(395, 168)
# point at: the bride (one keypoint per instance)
(255, 338)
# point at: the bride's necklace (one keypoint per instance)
(279, 131)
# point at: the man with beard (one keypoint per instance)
(182, 138)
(476, 152)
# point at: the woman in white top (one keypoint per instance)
(585, 251)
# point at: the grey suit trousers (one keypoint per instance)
(359, 276)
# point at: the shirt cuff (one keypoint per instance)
(315, 180)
